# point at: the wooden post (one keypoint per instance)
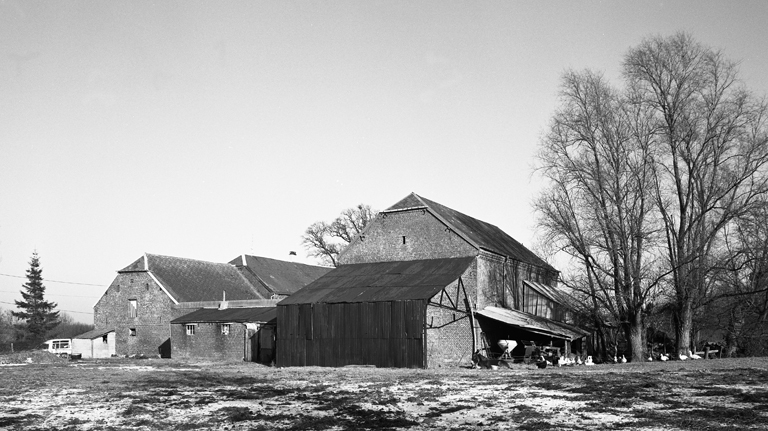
(471, 313)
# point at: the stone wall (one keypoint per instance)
(208, 342)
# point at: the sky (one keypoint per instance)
(206, 129)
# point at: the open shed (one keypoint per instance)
(525, 328)
(98, 343)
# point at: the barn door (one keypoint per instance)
(266, 344)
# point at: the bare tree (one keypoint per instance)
(737, 300)
(598, 206)
(711, 154)
(326, 240)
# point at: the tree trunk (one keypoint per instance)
(636, 338)
(683, 328)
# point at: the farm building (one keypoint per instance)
(98, 343)
(233, 331)
(146, 295)
(424, 286)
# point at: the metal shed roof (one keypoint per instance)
(239, 315)
(533, 323)
(95, 333)
(382, 281)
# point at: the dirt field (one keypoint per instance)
(122, 394)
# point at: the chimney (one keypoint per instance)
(223, 305)
(291, 256)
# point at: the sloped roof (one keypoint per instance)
(190, 280)
(551, 292)
(382, 281)
(481, 234)
(238, 315)
(533, 323)
(96, 333)
(279, 276)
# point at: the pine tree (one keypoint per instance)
(34, 309)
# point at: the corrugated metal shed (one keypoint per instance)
(382, 281)
(279, 276)
(239, 315)
(533, 323)
(190, 280)
(368, 313)
(484, 235)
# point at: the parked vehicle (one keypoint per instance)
(59, 346)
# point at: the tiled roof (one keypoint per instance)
(481, 234)
(280, 277)
(239, 315)
(382, 281)
(189, 280)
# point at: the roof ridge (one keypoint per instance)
(147, 255)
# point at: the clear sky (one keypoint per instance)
(210, 129)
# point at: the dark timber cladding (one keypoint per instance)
(368, 313)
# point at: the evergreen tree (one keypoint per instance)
(34, 309)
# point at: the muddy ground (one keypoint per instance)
(40, 392)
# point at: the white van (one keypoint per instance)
(59, 346)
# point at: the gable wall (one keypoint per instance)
(425, 238)
(153, 314)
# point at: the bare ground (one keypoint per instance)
(122, 394)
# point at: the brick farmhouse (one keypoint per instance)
(148, 294)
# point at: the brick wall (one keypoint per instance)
(153, 313)
(208, 342)
(406, 235)
(449, 333)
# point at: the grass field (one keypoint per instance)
(152, 394)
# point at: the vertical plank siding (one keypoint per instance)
(385, 334)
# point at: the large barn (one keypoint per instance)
(424, 286)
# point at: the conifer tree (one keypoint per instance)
(34, 309)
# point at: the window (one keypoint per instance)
(225, 327)
(104, 339)
(132, 332)
(191, 329)
(134, 306)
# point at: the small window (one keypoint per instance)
(190, 329)
(403, 239)
(132, 332)
(134, 306)
(104, 338)
(225, 328)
